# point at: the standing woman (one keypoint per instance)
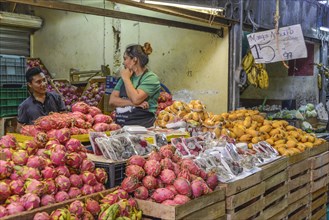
(136, 94)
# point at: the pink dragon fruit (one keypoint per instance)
(176, 168)
(41, 153)
(63, 183)
(87, 165)
(41, 216)
(5, 169)
(61, 196)
(155, 155)
(8, 141)
(197, 188)
(77, 207)
(160, 183)
(62, 213)
(172, 189)
(101, 175)
(76, 181)
(141, 193)
(149, 182)
(17, 187)
(101, 118)
(93, 206)
(35, 162)
(73, 145)
(94, 111)
(183, 186)
(50, 143)
(130, 183)
(176, 159)
(49, 173)
(167, 163)
(162, 194)
(7, 152)
(34, 186)
(122, 194)
(42, 138)
(15, 208)
(190, 166)
(136, 160)
(48, 199)
(87, 216)
(63, 170)
(212, 180)
(167, 176)
(74, 192)
(152, 168)
(99, 187)
(87, 189)
(3, 211)
(31, 147)
(181, 199)
(13, 198)
(203, 174)
(89, 178)
(28, 172)
(20, 157)
(50, 186)
(4, 191)
(58, 157)
(63, 135)
(74, 160)
(110, 199)
(185, 174)
(135, 170)
(30, 201)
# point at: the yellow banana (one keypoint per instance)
(319, 81)
(252, 77)
(263, 79)
(247, 62)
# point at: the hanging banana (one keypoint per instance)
(319, 81)
(247, 62)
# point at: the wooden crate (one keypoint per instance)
(318, 203)
(96, 80)
(298, 157)
(319, 149)
(298, 181)
(276, 188)
(299, 209)
(279, 216)
(319, 171)
(244, 197)
(28, 215)
(210, 206)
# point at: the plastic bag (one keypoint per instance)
(92, 137)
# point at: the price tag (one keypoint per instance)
(270, 47)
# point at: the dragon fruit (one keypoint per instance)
(212, 180)
(74, 160)
(35, 162)
(5, 169)
(101, 175)
(160, 183)
(49, 173)
(167, 176)
(77, 207)
(63, 135)
(122, 194)
(185, 174)
(31, 147)
(80, 107)
(7, 152)
(181, 199)
(41, 138)
(17, 187)
(58, 157)
(130, 183)
(202, 174)
(15, 208)
(101, 118)
(155, 155)
(99, 187)
(61, 196)
(60, 214)
(87, 189)
(135, 170)
(47, 199)
(141, 193)
(50, 186)
(110, 199)
(3, 211)
(94, 111)
(87, 165)
(176, 159)
(136, 160)
(92, 206)
(167, 163)
(76, 180)
(89, 178)
(197, 188)
(172, 189)
(20, 157)
(50, 143)
(63, 183)
(190, 166)
(149, 182)
(8, 141)
(73, 145)
(87, 216)
(74, 192)
(41, 216)
(63, 170)
(13, 198)
(28, 172)
(183, 186)
(34, 186)
(30, 201)
(162, 194)
(152, 168)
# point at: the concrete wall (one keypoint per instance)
(184, 59)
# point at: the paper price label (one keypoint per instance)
(270, 47)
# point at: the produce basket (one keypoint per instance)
(115, 170)
(10, 98)
(89, 96)
(12, 70)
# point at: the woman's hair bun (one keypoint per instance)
(147, 48)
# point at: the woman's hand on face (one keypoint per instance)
(144, 105)
(126, 73)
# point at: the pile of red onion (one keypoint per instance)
(164, 100)
(93, 94)
(167, 178)
(41, 172)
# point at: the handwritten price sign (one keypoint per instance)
(270, 47)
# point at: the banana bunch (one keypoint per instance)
(256, 72)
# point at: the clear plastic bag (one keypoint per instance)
(141, 146)
(105, 147)
(94, 145)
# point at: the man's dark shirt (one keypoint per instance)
(31, 109)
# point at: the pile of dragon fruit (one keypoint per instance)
(40, 172)
(81, 120)
(167, 178)
(116, 205)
